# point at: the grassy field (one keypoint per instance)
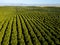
(29, 25)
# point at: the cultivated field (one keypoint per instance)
(29, 25)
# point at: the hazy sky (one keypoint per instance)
(31, 1)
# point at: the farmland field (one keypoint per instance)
(29, 25)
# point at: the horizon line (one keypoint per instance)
(21, 4)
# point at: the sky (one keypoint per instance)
(30, 1)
